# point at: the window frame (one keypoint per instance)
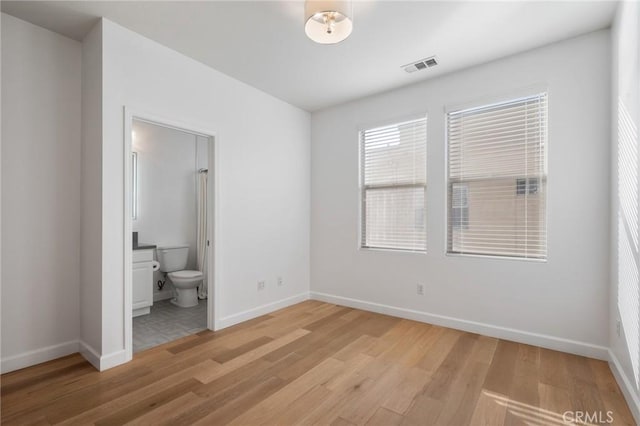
(488, 101)
(362, 188)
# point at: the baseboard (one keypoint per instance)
(90, 354)
(164, 295)
(102, 362)
(38, 356)
(542, 340)
(625, 384)
(260, 310)
(113, 359)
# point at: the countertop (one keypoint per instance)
(144, 246)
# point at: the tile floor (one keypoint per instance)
(167, 322)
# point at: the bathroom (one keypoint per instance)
(169, 187)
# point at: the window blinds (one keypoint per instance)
(497, 153)
(393, 184)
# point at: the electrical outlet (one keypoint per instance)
(261, 285)
(420, 289)
(280, 281)
(618, 328)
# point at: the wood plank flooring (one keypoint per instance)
(316, 363)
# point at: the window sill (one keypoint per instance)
(490, 256)
(390, 250)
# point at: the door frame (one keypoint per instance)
(213, 196)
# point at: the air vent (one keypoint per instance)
(421, 64)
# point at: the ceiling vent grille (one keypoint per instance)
(421, 64)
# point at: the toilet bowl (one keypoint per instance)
(173, 260)
(186, 284)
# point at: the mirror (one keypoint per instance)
(134, 185)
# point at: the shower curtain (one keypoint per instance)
(202, 233)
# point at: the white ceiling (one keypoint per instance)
(263, 43)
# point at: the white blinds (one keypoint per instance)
(393, 183)
(497, 159)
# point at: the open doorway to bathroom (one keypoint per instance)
(170, 199)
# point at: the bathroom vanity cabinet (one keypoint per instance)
(142, 281)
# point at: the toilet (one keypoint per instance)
(173, 260)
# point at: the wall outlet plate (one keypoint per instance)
(280, 281)
(420, 289)
(261, 285)
(618, 328)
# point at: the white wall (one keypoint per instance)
(264, 199)
(0, 191)
(263, 168)
(41, 105)
(168, 163)
(91, 190)
(625, 257)
(560, 303)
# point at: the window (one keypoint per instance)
(459, 206)
(393, 184)
(497, 179)
(526, 186)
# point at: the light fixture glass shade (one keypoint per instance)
(328, 22)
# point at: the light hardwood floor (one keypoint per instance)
(316, 363)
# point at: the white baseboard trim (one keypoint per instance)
(625, 384)
(37, 356)
(90, 355)
(164, 295)
(260, 310)
(113, 359)
(520, 336)
(102, 362)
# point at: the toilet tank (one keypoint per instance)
(173, 258)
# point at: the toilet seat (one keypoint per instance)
(186, 275)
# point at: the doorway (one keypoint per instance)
(170, 178)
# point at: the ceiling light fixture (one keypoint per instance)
(328, 22)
